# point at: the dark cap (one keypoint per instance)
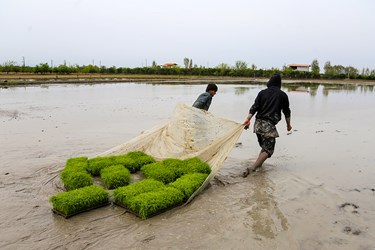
(211, 86)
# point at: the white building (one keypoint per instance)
(300, 67)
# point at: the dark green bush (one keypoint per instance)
(160, 172)
(122, 195)
(189, 183)
(115, 176)
(79, 200)
(154, 202)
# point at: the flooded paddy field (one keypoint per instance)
(316, 192)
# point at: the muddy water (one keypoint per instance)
(316, 192)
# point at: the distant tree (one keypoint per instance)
(288, 72)
(186, 62)
(42, 68)
(154, 65)
(9, 66)
(111, 70)
(338, 69)
(253, 67)
(240, 65)
(328, 69)
(351, 71)
(315, 70)
(90, 69)
(223, 68)
(63, 69)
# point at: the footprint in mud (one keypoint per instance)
(148, 239)
(349, 207)
(349, 230)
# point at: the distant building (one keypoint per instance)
(169, 65)
(300, 67)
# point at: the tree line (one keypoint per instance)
(239, 69)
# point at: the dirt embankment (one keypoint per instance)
(7, 80)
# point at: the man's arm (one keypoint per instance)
(246, 123)
(288, 126)
(286, 111)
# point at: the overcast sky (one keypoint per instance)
(267, 33)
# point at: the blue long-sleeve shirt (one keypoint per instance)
(203, 101)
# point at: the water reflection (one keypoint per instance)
(312, 89)
(241, 90)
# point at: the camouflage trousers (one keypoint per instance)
(266, 133)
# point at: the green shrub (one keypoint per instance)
(122, 195)
(115, 176)
(160, 172)
(154, 202)
(189, 183)
(79, 200)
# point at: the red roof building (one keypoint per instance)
(169, 65)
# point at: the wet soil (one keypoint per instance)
(316, 192)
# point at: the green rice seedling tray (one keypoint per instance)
(79, 212)
(115, 176)
(150, 216)
(149, 203)
(79, 200)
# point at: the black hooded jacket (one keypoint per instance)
(271, 101)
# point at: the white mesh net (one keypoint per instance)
(190, 133)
